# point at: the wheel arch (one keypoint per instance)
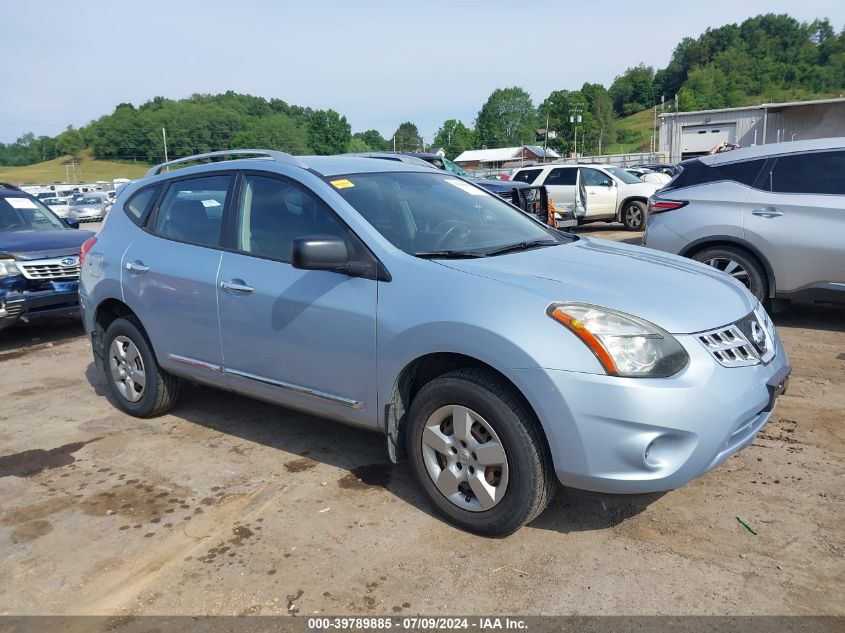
(714, 241)
(625, 202)
(107, 311)
(423, 369)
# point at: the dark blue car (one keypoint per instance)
(39, 259)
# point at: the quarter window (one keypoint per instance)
(744, 172)
(192, 210)
(561, 176)
(138, 205)
(273, 213)
(820, 172)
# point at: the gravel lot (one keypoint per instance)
(232, 506)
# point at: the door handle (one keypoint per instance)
(768, 212)
(137, 266)
(236, 285)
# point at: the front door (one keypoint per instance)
(169, 276)
(601, 193)
(301, 338)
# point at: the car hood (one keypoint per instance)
(42, 244)
(677, 294)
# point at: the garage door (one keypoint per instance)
(699, 139)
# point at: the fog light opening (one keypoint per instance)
(651, 455)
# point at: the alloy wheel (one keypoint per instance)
(731, 267)
(465, 458)
(127, 368)
(634, 216)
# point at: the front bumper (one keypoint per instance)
(61, 299)
(627, 435)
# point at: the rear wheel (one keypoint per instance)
(478, 453)
(741, 265)
(140, 387)
(634, 215)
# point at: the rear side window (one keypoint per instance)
(744, 172)
(821, 172)
(527, 175)
(192, 210)
(138, 205)
(561, 176)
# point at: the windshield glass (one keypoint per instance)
(624, 176)
(24, 214)
(92, 200)
(452, 168)
(56, 202)
(421, 213)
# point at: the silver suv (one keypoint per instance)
(497, 354)
(771, 216)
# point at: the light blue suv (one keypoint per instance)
(497, 354)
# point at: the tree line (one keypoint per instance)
(766, 58)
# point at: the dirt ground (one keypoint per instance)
(232, 506)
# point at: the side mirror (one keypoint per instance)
(609, 183)
(320, 253)
(71, 222)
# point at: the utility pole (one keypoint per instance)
(575, 117)
(164, 138)
(546, 137)
(394, 143)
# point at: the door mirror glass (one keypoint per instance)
(71, 222)
(320, 253)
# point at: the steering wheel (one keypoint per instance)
(453, 230)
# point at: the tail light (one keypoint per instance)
(661, 205)
(87, 245)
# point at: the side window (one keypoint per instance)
(527, 175)
(273, 213)
(745, 172)
(192, 210)
(138, 205)
(561, 176)
(594, 178)
(820, 172)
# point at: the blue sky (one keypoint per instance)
(378, 63)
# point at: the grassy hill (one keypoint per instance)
(634, 133)
(88, 170)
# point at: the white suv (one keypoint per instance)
(597, 192)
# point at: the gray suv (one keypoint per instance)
(498, 355)
(772, 216)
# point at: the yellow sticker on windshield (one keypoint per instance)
(343, 183)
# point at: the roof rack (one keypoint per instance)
(261, 154)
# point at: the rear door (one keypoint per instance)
(169, 275)
(561, 183)
(302, 338)
(795, 216)
(601, 193)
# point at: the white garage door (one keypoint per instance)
(698, 139)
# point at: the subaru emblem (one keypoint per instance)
(67, 262)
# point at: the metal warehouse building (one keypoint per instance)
(688, 134)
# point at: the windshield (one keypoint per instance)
(624, 176)
(423, 213)
(92, 200)
(24, 214)
(56, 202)
(452, 168)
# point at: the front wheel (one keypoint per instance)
(478, 453)
(140, 387)
(634, 215)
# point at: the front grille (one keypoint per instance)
(60, 268)
(13, 310)
(749, 341)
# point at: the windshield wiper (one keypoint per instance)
(521, 246)
(450, 254)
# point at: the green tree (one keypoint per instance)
(277, 131)
(374, 140)
(328, 132)
(601, 109)
(506, 119)
(357, 144)
(407, 137)
(454, 137)
(70, 142)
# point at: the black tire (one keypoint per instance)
(634, 215)
(755, 279)
(160, 391)
(531, 479)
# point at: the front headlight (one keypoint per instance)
(623, 344)
(8, 267)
